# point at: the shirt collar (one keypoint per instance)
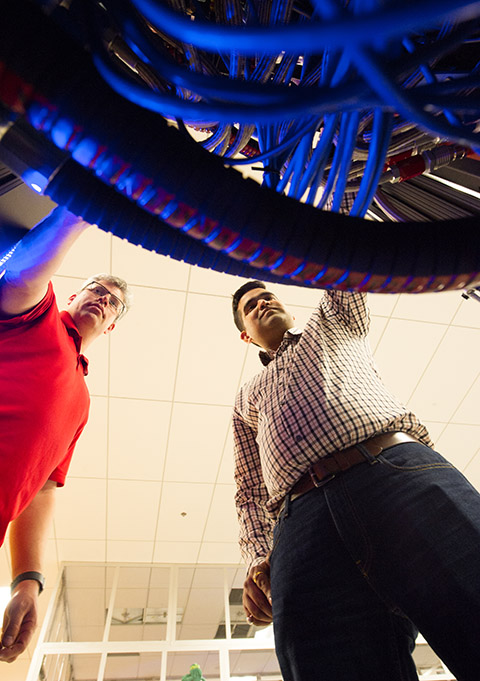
(266, 356)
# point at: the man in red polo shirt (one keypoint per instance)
(44, 401)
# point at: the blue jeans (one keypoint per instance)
(358, 564)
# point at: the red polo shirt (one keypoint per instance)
(44, 403)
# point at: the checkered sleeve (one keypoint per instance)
(351, 307)
(251, 496)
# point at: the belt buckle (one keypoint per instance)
(316, 480)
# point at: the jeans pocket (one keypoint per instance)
(413, 457)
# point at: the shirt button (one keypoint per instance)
(298, 438)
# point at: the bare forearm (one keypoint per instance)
(28, 537)
(29, 532)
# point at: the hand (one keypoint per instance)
(257, 600)
(19, 621)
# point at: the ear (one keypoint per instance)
(71, 298)
(109, 329)
(245, 337)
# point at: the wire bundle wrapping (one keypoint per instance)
(311, 114)
(309, 81)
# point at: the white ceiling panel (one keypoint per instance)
(144, 268)
(81, 509)
(183, 511)
(91, 255)
(437, 308)
(225, 473)
(468, 313)
(138, 431)
(81, 550)
(435, 428)
(205, 606)
(17, 671)
(377, 329)
(132, 509)
(472, 471)
(144, 350)
(468, 410)
(196, 442)
(459, 444)
(87, 606)
(382, 304)
(222, 524)
(213, 283)
(220, 552)
(449, 375)
(176, 551)
(403, 351)
(124, 551)
(208, 370)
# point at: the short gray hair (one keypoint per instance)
(118, 283)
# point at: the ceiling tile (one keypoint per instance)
(140, 267)
(468, 411)
(459, 444)
(81, 549)
(225, 473)
(132, 507)
(435, 428)
(176, 552)
(403, 352)
(196, 442)
(251, 366)
(91, 255)
(377, 329)
(449, 376)
(24, 207)
(17, 671)
(208, 371)
(382, 304)
(468, 313)
(472, 471)
(205, 606)
(144, 347)
(86, 606)
(219, 552)
(137, 438)
(191, 499)
(428, 307)
(81, 509)
(90, 457)
(203, 280)
(222, 523)
(119, 551)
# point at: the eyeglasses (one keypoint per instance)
(117, 305)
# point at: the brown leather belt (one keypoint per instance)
(338, 462)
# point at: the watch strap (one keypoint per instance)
(37, 576)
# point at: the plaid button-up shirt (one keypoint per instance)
(320, 393)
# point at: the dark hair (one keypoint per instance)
(237, 315)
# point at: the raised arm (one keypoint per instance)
(36, 259)
(28, 536)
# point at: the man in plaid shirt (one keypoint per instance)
(354, 531)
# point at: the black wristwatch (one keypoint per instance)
(37, 576)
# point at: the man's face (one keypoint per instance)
(95, 307)
(264, 317)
